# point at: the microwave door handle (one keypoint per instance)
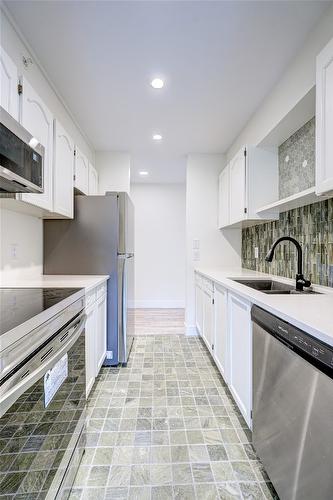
(10, 176)
(9, 397)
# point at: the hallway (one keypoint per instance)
(166, 428)
(159, 322)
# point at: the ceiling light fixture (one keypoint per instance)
(157, 83)
(157, 137)
(144, 172)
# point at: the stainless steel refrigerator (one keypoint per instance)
(99, 240)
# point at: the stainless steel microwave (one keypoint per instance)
(21, 158)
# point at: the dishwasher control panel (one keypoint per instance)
(294, 337)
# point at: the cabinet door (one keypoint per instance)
(224, 199)
(240, 339)
(198, 307)
(93, 180)
(91, 328)
(63, 171)
(208, 318)
(81, 172)
(221, 330)
(38, 120)
(237, 188)
(101, 334)
(8, 88)
(324, 120)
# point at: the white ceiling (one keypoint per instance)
(219, 60)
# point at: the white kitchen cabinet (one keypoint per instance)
(38, 120)
(63, 171)
(221, 330)
(224, 200)
(96, 326)
(198, 304)
(9, 85)
(240, 354)
(101, 333)
(93, 180)
(324, 120)
(249, 182)
(91, 332)
(81, 169)
(208, 314)
(238, 194)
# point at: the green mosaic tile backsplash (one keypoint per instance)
(312, 226)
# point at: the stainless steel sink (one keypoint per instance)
(272, 287)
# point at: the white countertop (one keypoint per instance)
(309, 312)
(55, 281)
(83, 282)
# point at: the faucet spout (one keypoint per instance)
(300, 281)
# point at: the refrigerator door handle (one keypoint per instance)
(122, 304)
(125, 255)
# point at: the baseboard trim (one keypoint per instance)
(159, 304)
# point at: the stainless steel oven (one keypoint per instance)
(21, 158)
(43, 408)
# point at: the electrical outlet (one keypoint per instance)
(196, 244)
(13, 248)
(256, 252)
(196, 255)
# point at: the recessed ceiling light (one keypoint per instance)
(144, 172)
(157, 83)
(157, 137)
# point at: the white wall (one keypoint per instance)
(160, 255)
(295, 83)
(217, 248)
(18, 229)
(21, 250)
(114, 171)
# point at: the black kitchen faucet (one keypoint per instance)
(300, 280)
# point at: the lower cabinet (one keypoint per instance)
(221, 330)
(95, 333)
(208, 317)
(101, 333)
(91, 329)
(240, 354)
(198, 305)
(223, 319)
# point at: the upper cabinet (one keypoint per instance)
(9, 85)
(38, 120)
(249, 181)
(93, 180)
(324, 120)
(224, 201)
(63, 171)
(81, 182)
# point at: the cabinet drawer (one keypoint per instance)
(101, 290)
(90, 297)
(208, 286)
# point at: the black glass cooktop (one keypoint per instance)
(18, 305)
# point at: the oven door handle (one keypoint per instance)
(7, 398)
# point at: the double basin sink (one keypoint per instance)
(272, 287)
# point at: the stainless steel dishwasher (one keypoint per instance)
(292, 408)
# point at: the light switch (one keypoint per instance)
(196, 255)
(196, 244)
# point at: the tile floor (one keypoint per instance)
(166, 427)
